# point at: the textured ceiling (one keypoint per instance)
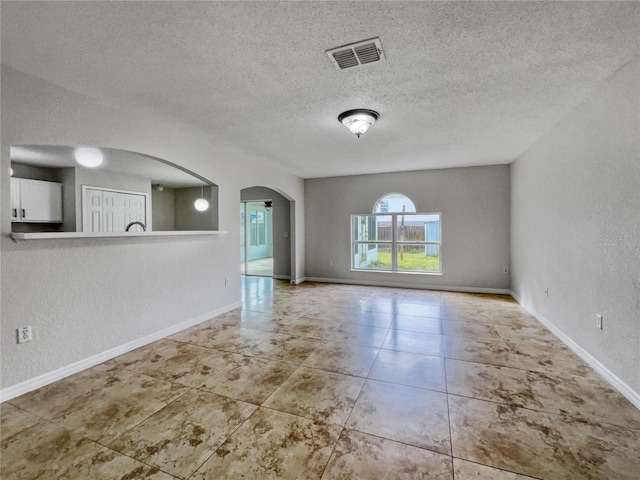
(462, 84)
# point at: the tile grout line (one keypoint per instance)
(224, 442)
(446, 386)
(449, 395)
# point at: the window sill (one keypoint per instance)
(438, 274)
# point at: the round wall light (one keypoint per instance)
(88, 157)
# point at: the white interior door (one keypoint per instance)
(111, 211)
(92, 210)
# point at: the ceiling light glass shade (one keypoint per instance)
(201, 204)
(88, 157)
(358, 121)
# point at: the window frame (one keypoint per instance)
(394, 242)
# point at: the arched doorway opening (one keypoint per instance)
(265, 233)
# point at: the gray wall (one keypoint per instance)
(163, 209)
(69, 199)
(474, 203)
(36, 173)
(281, 227)
(86, 296)
(187, 217)
(575, 225)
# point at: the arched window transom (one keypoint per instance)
(394, 203)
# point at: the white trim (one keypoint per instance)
(499, 291)
(40, 381)
(297, 281)
(156, 233)
(282, 277)
(608, 375)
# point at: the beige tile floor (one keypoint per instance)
(262, 267)
(333, 382)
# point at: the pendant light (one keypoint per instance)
(202, 203)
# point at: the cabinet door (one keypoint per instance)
(40, 201)
(15, 199)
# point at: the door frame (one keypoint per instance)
(246, 236)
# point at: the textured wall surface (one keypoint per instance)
(83, 297)
(575, 223)
(474, 203)
(163, 209)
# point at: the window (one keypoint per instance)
(257, 228)
(396, 239)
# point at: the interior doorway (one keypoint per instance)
(256, 238)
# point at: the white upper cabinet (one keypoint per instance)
(36, 201)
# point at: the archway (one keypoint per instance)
(266, 233)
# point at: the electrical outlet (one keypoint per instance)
(546, 292)
(24, 334)
(226, 282)
(331, 263)
(505, 271)
(599, 321)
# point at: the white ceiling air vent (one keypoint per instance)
(356, 54)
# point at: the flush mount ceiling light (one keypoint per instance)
(88, 157)
(202, 203)
(359, 120)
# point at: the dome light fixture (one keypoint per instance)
(88, 157)
(359, 120)
(201, 204)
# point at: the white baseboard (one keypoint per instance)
(40, 381)
(608, 375)
(500, 291)
(298, 281)
(282, 277)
